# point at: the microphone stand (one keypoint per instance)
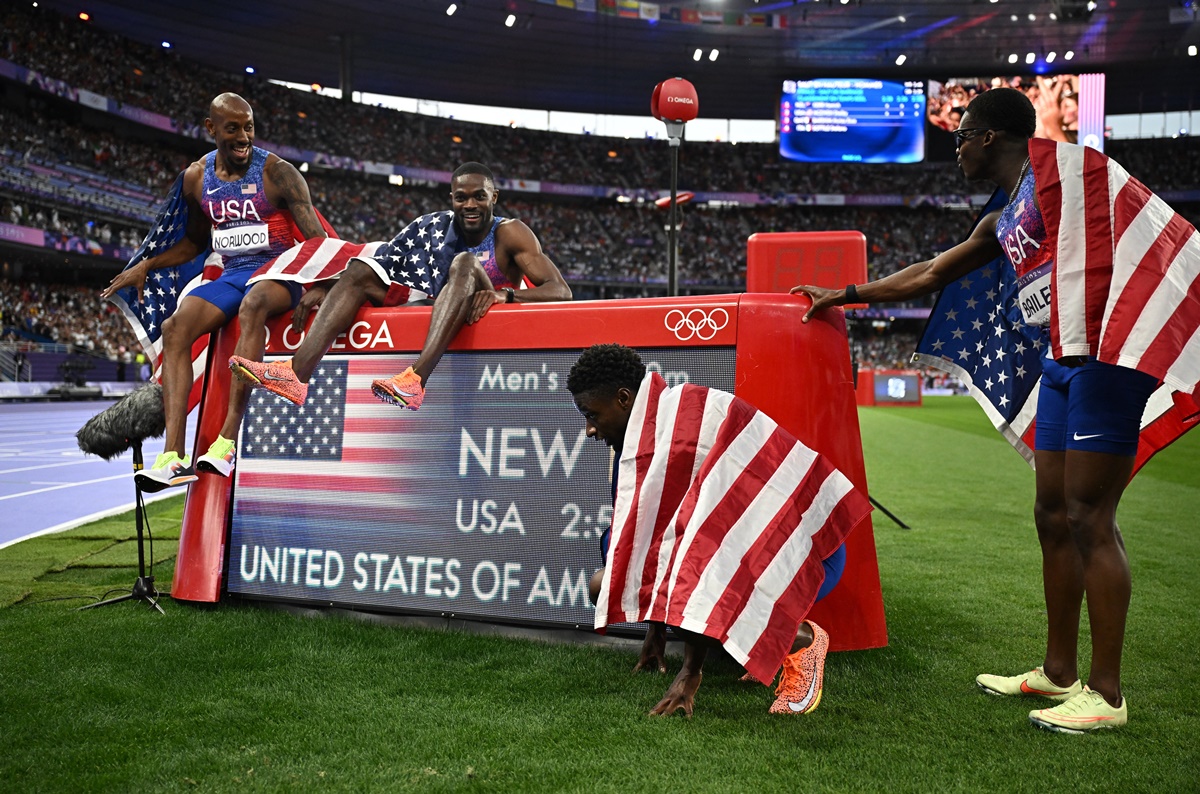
(143, 587)
(675, 137)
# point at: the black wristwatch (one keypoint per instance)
(510, 296)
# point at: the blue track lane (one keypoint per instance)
(47, 484)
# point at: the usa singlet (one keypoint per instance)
(1022, 234)
(248, 230)
(486, 253)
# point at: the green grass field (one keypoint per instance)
(240, 698)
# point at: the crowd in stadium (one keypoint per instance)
(607, 248)
(69, 315)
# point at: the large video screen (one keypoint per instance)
(1070, 107)
(852, 120)
(488, 502)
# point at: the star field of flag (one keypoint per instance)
(163, 285)
(977, 326)
(276, 429)
(420, 255)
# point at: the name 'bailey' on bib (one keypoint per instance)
(1034, 294)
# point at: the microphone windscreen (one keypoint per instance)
(134, 418)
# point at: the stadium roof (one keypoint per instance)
(561, 58)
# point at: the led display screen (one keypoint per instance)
(1069, 107)
(852, 120)
(489, 501)
(897, 387)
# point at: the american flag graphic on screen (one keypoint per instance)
(342, 454)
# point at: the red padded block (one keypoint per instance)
(778, 261)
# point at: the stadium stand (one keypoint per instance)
(88, 182)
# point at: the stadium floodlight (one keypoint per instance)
(451, 9)
(512, 20)
(249, 70)
(1069, 54)
(166, 45)
(1030, 57)
(712, 55)
(1192, 50)
(900, 59)
(1013, 58)
(698, 54)
(1050, 56)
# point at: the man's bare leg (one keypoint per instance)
(450, 311)
(358, 285)
(1062, 570)
(1094, 484)
(194, 318)
(264, 300)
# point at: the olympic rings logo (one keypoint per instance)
(695, 323)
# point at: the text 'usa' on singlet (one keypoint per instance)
(1022, 234)
(248, 230)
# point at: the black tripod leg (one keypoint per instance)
(888, 513)
(118, 599)
(143, 587)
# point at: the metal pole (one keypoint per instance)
(673, 232)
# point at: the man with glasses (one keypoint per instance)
(1089, 412)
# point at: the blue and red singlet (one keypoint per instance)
(1022, 234)
(248, 230)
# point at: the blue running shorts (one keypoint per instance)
(226, 292)
(1094, 407)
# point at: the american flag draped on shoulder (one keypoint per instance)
(165, 287)
(1125, 288)
(418, 257)
(721, 521)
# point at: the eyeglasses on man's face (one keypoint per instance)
(967, 133)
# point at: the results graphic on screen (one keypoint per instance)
(488, 502)
(852, 120)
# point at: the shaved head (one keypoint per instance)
(227, 104)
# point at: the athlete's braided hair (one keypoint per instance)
(1004, 109)
(606, 368)
(474, 168)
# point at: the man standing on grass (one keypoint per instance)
(725, 528)
(1109, 274)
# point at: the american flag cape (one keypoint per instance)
(1124, 289)
(417, 258)
(720, 524)
(165, 287)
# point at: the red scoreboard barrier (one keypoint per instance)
(488, 502)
